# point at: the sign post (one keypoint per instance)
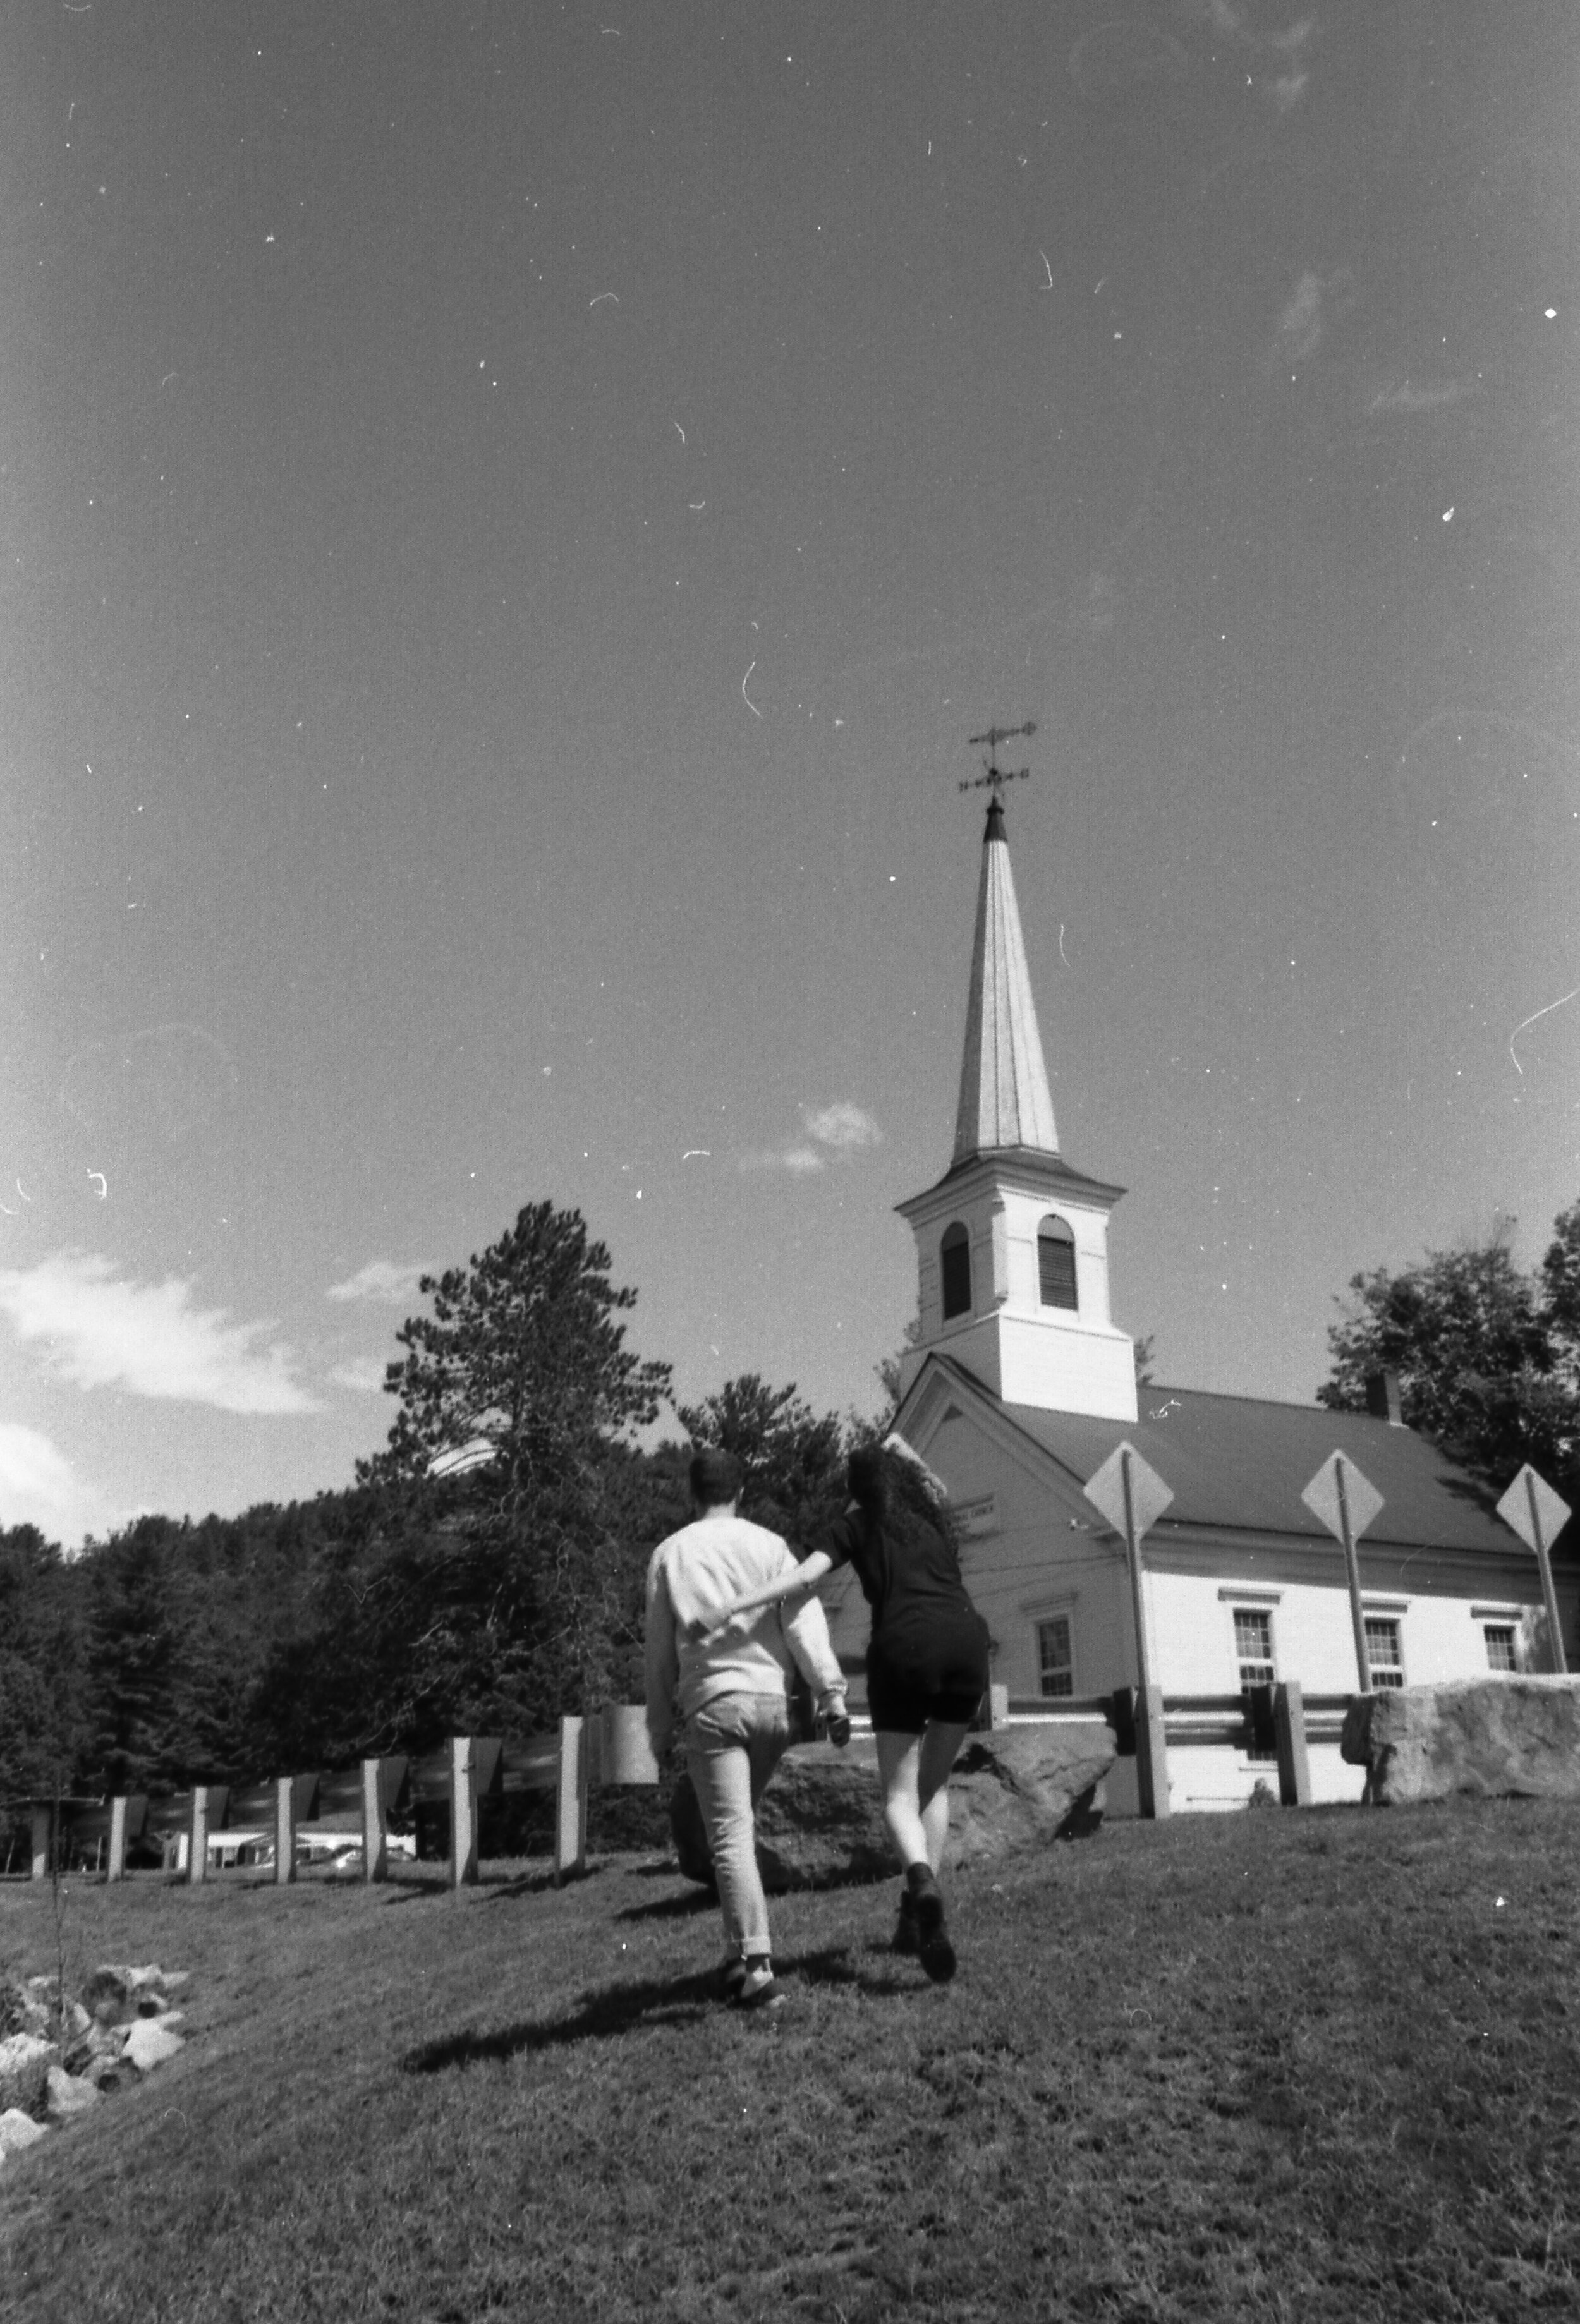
(1533, 1510)
(1132, 1496)
(1346, 1502)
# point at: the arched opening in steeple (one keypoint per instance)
(955, 1265)
(1056, 1263)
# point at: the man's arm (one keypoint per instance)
(660, 1660)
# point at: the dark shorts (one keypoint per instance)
(940, 1673)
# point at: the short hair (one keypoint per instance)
(715, 1477)
(867, 1476)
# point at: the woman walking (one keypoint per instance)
(927, 1670)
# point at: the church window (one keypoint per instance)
(955, 1258)
(1253, 1650)
(1499, 1638)
(1383, 1651)
(1056, 1669)
(1055, 1264)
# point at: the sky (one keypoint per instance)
(511, 517)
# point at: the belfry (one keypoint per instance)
(1012, 1242)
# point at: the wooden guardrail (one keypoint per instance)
(352, 1807)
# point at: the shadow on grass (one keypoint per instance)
(682, 1907)
(617, 2009)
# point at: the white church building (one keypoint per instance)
(1021, 1385)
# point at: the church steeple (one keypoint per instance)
(1012, 1242)
(1004, 1097)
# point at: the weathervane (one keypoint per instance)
(995, 778)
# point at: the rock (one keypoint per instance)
(1024, 1786)
(98, 2042)
(1485, 1738)
(18, 2130)
(69, 2094)
(107, 1996)
(821, 1820)
(149, 2044)
(25, 2059)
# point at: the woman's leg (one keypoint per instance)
(940, 1748)
(898, 1771)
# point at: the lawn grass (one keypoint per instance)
(1275, 2066)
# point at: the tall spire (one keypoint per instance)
(1004, 1097)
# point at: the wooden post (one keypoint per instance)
(570, 1810)
(198, 1837)
(284, 1830)
(1151, 1753)
(998, 1706)
(376, 1853)
(116, 1869)
(1544, 1565)
(43, 1822)
(1353, 1569)
(1152, 1741)
(463, 1811)
(1290, 1731)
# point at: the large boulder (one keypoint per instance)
(1022, 1787)
(820, 1821)
(1485, 1738)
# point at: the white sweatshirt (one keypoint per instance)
(695, 1571)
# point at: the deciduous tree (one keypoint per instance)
(1487, 1359)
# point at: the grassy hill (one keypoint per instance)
(1270, 2066)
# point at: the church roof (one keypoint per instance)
(1004, 1097)
(1241, 1461)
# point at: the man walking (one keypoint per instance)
(730, 1689)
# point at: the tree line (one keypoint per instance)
(484, 1573)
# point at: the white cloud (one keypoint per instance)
(794, 1158)
(842, 1126)
(102, 1333)
(380, 1280)
(1432, 397)
(39, 1486)
(363, 1373)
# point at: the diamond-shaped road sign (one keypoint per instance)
(1148, 1495)
(1551, 1508)
(1362, 1497)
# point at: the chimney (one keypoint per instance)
(1382, 1398)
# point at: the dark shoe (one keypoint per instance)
(933, 1947)
(731, 1978)
(839, 1732)
(905, 1938)
(759, 1988)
